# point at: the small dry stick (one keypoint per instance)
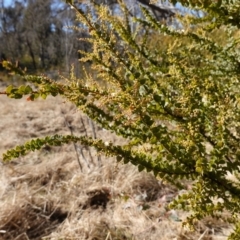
(95, 136)
(201, 237)
(74, 144)
(89, 150)
(84, 158)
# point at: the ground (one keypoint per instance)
(46, 195)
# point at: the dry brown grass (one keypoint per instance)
(45, 195)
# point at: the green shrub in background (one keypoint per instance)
(173, 94)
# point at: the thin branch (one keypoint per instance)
(75, 146)
(95, 137)
(89, 150)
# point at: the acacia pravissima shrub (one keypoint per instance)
(173, 94)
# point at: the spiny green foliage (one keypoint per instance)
(45, 87)
(177, 105)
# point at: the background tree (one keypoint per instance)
(39, 34)
(34, 33)
(11, 30)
